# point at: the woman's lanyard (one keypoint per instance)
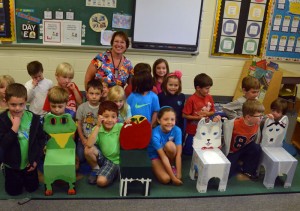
(116, 69)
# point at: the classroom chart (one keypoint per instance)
(284, 31)
(239, 28)
(71, 22)
(7, 32)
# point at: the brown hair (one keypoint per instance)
(142, 82)
(120, 34)
(165, 82)
(107, 106)
(202, 80)
(250, 107)
(250, 82)
(141, 66)
(58, 94)
(94, 83)
(157, 62)
(280, 105)
(34, 68)
(15, 90)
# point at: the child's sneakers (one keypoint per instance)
(92, 179)
(174, 170)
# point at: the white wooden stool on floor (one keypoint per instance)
(275, 159)
(207, 158)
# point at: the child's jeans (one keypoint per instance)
(249, 155)
(80, 151)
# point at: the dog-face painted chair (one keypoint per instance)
(207, 158)
(60, 152)
(135, 165)
(275, 159)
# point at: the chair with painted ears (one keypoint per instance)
(60, 152)
(135, 165)
(208, 160)
(275, 159)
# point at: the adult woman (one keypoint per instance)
(112, 66)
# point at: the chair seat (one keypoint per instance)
(278, 154)
(60, 157)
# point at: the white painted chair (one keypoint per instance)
(275, 159)
(207, 158)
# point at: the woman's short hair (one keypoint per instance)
(120, 34)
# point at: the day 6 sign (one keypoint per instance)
(29, 31)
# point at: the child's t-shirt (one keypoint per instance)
(176, 102)
(242, 135)
(159, 139)
(144, 105)
(109, 144)
(195, 104)
(88, 115)
(121, 118)
(23, 137)
(71, 104)
(36, 95)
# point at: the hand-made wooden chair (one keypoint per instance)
(207, 158)
(275, 159)
(135, 165)
(60, 152)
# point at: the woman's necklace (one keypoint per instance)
(116, 69)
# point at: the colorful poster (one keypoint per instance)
(232, 9)
(229, 27)
(253, 29)
(284, 28)
(7, 32)
(256, 12)
(227, 44)
(250, 46)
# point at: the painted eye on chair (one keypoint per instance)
(63, 120)
(53, 121)
(215, 133)
(203, 134)
(277, 129)
(271, 129)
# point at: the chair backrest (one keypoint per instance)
(61, 129)
(273, 132)
(227, 131)
(136, 134)
(208, 134)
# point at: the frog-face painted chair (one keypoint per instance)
(60, 153)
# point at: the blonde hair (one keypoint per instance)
(58, 94)
(6, 80)
(117, 93)
(64, 69)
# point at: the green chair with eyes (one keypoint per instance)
(60, 152)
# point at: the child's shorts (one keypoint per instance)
(107, 168)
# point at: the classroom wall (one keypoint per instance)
(225, 72)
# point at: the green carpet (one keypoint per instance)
(188, 189)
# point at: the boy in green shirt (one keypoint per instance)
(22, 139)
(102, 150)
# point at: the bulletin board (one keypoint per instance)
(239, 29)
(82, 20)
(284, 31)
(7, 32)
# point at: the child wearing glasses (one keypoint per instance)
(244, 134)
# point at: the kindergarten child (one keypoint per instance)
(22, 139)
(103, 146)
(64, 75)
(139, 67)
(165, 147)
(5, 80)
(37, 87)
(279, 108)
(87, 115)
(244, 135)
(160, 71)
(199, 105)
(250, 87)
(143, 101)
(116, 94)
(105, 91)
(171, 95)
